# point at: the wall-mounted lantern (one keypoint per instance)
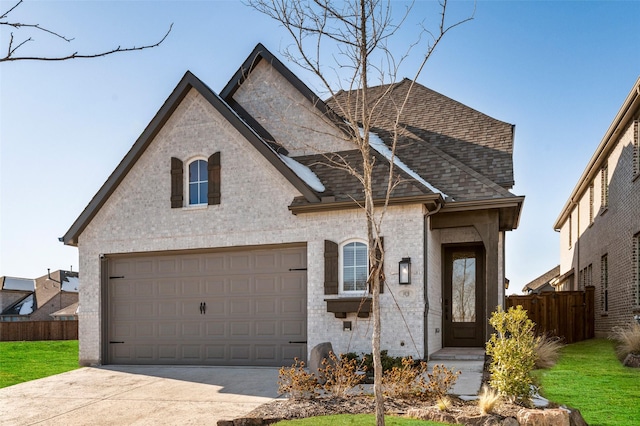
(404, 271)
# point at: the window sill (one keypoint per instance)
(196, 207)
(346, 305)
(603, 210)
(636, 177)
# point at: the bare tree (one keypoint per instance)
(14, 44)
(358, 32)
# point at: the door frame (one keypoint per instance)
(476, 330)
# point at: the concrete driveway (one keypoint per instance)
(139, 395)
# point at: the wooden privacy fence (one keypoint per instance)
(38, 330)
(566, 314)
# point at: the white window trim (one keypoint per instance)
(185, 191)
(341, 290)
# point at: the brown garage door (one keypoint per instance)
(233, 308)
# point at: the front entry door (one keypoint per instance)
(463, 296)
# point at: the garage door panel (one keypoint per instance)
(239, 263)
(255, 306)
(266, 260)
(144, 330)
(167, 288)
(239, 353)
(216, 329)
(292, 306)
(215, 353)
(167, 330)
(240, 285)
(239, 329)
(239, 306)
(168, 266)
(216, 308)
(144, 352)
(266, 285)
(191, 329)
(266, 307)
(214, 287)
(266, 328)
(143, 267)
(266, 353)
(293, 329)
(293, 283)
(214, 264)
(168, 353)
(144, 309)
(191, 352)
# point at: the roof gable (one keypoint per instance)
(188, 82)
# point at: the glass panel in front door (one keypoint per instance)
(463, 287)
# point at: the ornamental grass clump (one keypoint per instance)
(488, 400)
(547, 351)
(513, 355)
(627, 340)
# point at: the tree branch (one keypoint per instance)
(11, 48)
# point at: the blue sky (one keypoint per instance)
(557, 70)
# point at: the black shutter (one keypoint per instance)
(330, 267)
(213, 168)
(177, 184)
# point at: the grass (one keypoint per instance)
(589, 377)
(356, 420)
(24, 361)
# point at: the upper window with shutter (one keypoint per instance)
(201, 182)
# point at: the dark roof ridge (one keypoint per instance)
(189, 81)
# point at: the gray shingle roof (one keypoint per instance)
(481, 143)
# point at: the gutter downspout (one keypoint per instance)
(426, 279)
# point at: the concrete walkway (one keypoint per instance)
(145, 395)
(470, 362)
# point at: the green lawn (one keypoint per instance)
(590, 378)
(24, 361)
(356, 420)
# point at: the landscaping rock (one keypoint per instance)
(510, 421)
(318, 353)
(575, 417)
(548, 417)
(632, 360)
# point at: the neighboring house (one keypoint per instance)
(14, 289)
(37, 299)
(69, 313)
(225, 238)
(600, 223)
(543, 283)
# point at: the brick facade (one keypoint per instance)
(609, 238)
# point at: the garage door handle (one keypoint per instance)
(301, 341)
(203, 308)
(115, 342)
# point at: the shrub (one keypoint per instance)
(341, 375)
(512, 352)
(296, 382)
(441, 380)
(547, 351)
(388, 362)
(414, 379)
(488, 400)
(627, 339)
